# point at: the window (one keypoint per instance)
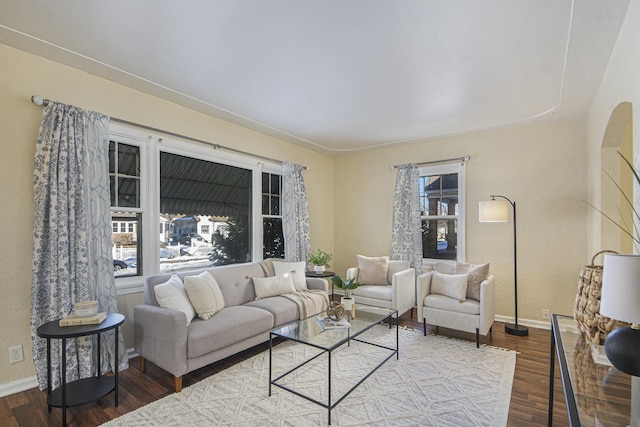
(272, 237)
(442, 212)
(125, 186)
(181, 206)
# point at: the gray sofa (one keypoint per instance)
(162, 337)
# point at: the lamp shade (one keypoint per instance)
(493, 211)
(620, 298)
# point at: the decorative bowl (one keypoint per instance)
(85, 308)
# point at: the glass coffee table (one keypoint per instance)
(308, 332)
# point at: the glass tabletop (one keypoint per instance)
(308, 331)
(602, 394)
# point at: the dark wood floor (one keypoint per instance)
(529, 396)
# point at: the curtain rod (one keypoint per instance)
(38, 100)
(432, 162)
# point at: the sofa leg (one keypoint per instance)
(143, 364)
(177, 381)
(477, 338)
(411, 315)
(424, 326)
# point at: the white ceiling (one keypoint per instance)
(337, 75)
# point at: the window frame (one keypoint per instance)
(151, 144)
(444, 169)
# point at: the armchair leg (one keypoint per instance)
(143, 364)
(177, 381)
(424, 326)
(477, 338)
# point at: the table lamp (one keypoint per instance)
(620, 300)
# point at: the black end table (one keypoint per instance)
(322, 275)
(84, 390)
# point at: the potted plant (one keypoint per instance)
(320, 259)
(347, 300)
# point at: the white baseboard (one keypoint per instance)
(18, 386)
(25, 384)
(540, 324)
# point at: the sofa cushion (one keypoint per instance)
(172, 294)
(283, 309)
(235, 282)
(295, 269)
(450, 285)
(228, 326)
(204, 294)
(273, 286)
(373, 291)
(451, 304)
(373, 270)
(477, 274)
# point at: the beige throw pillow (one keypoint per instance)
(273, 286)
(295, 269)
(373, 270)
(477, 274)
(172, 294)
(204, 294)
(450, 285)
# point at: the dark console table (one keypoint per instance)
(84, 390)
(595, 394)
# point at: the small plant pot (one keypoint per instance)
(319, 268)
(347, 303)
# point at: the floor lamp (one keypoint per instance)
(498, 211)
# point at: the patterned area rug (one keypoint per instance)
(436, 382)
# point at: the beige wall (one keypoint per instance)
(619, 85)
(540, 167)
(23, 75)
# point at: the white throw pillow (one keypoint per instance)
(273, 286)
(450, 285)
(477, 274)
(295, 270)
(172, 294)
(204, 294)
(373, 270)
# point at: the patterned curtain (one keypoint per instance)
(72, 237)
(295, 214)
(406, 237)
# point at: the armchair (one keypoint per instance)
(398, 293)
(448, 311)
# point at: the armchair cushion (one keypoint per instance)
(477, 274)
(373, 270)
(450, 285)
(451, 304)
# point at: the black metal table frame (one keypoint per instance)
(113, 321)
(557, 348)
(329, 405)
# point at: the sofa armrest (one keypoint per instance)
(160, 335)
(487, 303)
(404, 290)
(352, 273)
(423, 289)
(318, 283)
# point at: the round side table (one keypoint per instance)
(322, 275)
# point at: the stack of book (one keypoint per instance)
(328, 323)
(73, 320)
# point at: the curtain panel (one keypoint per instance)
(295, 214)
(72, 258)
(406, 237)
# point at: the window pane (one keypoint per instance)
(275, 205)
(272, 238)
(265, 182)
(128, 192)
(126, 244)
(194, 194)
(439, 195)
(112, 157)
(265, 204)
(275, 184)
(128, 160)
(439, 239)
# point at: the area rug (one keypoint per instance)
(436, 382)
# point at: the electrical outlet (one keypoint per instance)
(15, 354)
(545, 314)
